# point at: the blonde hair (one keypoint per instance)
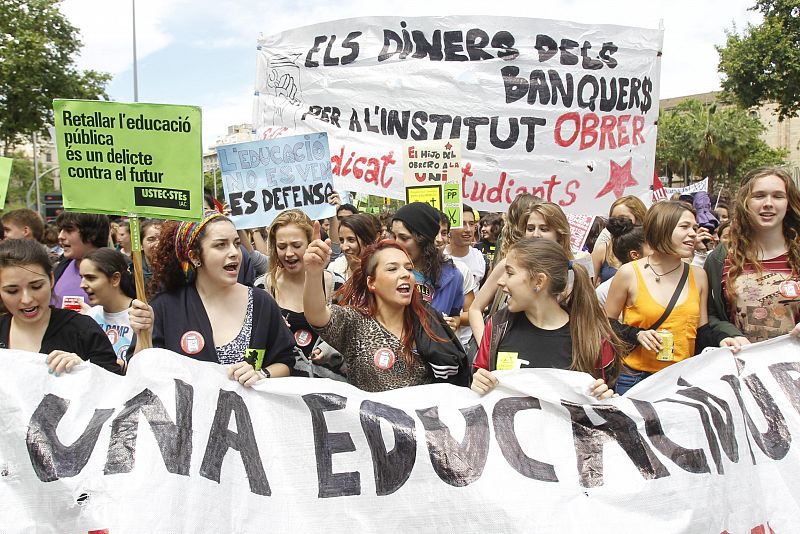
(555, 218)
(660, 223)
(588, 323)
(514, 228)
(742, 246)
(634, 204)
(287, 218)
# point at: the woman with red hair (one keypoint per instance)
(389, 338)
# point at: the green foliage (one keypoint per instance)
(763, 63)
(21, 180)
(37, 47)
(719, 142)
(208, 182)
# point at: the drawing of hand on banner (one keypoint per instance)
(283, 83)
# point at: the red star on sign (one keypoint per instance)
(619, 180)
(448, 146)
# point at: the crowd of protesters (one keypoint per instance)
(402, 299)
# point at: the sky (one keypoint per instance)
(202, 52)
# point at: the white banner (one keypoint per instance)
(702, 185)
(563, 110)
(175, 446)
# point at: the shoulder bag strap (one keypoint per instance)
(674, 299)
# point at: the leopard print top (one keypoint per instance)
(373, 354)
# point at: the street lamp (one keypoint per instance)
(36, 184)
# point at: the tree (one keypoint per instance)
(21, 181)
(37, 47)
(763, 64)
(722, 143)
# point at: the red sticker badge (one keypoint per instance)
(760, 313)
(790, 289)
(384, 359)
(303, 338)
(192, 342)
(113, 336)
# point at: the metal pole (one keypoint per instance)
(135, 70)
(214, 173)
(36, 173)
(30, 189)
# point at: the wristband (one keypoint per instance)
(265, 373)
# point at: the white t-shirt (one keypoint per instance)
(602, 291)
(116, 327)
(585, 260)
(339, 266)
(474, 262)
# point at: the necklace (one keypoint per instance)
(658, 276)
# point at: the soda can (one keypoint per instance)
(667, 352)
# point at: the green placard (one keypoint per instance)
(5, 174)
(121, 159)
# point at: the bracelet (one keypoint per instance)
(265, 373)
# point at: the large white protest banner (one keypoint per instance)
(562, 110)
(263, 178)
(707, 445)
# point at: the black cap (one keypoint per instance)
(421, 218)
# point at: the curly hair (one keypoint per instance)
(355, 294)
(514, 229)
(168, 274)
(743, 248)
(286, 218)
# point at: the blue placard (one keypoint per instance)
(263, 178)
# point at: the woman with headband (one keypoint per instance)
(203, 313)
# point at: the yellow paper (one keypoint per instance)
(506, 361)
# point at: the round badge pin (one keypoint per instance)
(790, 289)
(303, 338)
(192, 342)
(384, 358)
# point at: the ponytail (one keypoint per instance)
(109, 262)
(589, 329)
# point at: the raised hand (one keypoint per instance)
(318, 253)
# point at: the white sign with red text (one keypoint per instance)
(562, 110)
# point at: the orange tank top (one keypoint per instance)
(682, 322)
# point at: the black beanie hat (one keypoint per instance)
(420, 217)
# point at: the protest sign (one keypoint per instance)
(704, 446)
(702, 185)
(120, 159)
(5, 175)
(562, 110)
(432, 173)
(263, 178)
(579, 228)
